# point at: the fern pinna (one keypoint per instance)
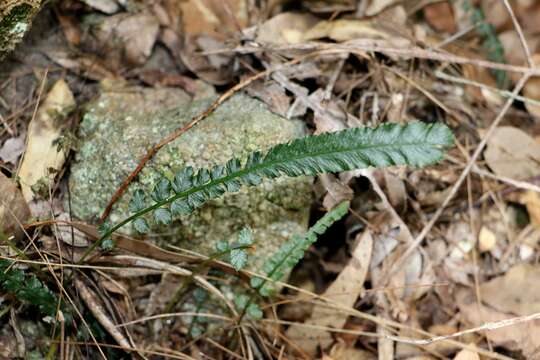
(415, 143)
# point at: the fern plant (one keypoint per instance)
(416, 144)
(29, 290)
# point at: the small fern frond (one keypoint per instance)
(291, 252)
(28, 289)
(415, 144)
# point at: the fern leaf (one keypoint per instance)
(415, 144)
(291, 252)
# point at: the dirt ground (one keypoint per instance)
(432, 263)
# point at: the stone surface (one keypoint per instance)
(15, 19)
(121, 124)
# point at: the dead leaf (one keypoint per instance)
(285, 28)
(531, 200)
(440, 16)
(337, 191)
(515, 292)
(343, 352)
(136, 33)
(215, 18)
(486, 239)
(376, 6)
(467, 355)
(524, 336)
(343, 30)
(344, 291)
(85, 65)
(513, 153)
(106, 6)
(12, 149)
(42, 153)
(13, 208)
(531, 90)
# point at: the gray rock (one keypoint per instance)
(118, 128)
(15, 19)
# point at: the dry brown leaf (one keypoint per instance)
(341, 351)
(13, 208)
(513, 50)
(337, 191)
(531, 200)
(344, 291)
(486, 239)
(285, 28)
(42, 153)
(513, 153)
(136, 33)
(84, 65)
(524, 336)
(467, 355)
(376, 6)
(343, 30)
(440, 16)
(515, 292)
(496, 14)
(106, 6)
(531, 90)
(329, 6)
(214, 17)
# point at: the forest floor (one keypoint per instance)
(434, 263)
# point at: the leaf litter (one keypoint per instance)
(357, 64)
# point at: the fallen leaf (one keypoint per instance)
(343, 352)
(467, 355)
(376, 6)
(106, 6)
(440, 16)
(524, 336)
(42, 153)
(136, 33)
(343, 30)
(13, 208)
(12, 149)
(531, 200)
(343, 291)
(336, 191)
(285, 28)
(85, 65)
(215, 18)
(513, 153)
(515, 292)
(70, 28)
(486, 239)
(531, 90)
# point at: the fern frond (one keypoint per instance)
(415, 144)
(291, 252)
(28, 289)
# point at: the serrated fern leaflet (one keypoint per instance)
(415, 144)
(291, 252)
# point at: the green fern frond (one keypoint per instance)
(291, 252)
(28, 289)
(415, 144)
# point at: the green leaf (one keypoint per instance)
(141, 225)
(107, 244)
(241, 301)
(222, 246)
(291, 252)
(245, 237)
(162, 216)
(254, 311)
(238, 258)
(162, 190)
(138, 201)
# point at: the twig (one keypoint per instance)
(178, 132)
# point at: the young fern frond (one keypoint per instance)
(415, 144)
(291, 252)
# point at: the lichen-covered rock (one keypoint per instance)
(120, 126)
(15, 19)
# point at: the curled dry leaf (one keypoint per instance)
(105, 6)
(13, 209)
(376, 6)
(343, 291)
(42, 152)
(513, 153)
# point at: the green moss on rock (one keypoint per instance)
(118, 128)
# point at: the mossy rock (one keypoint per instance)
(121, 125)
(15, 19)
